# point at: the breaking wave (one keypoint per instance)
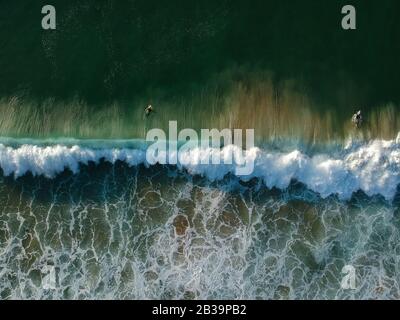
(372, 167)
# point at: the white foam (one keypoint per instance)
(373, 167)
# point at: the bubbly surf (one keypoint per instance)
(372, 167)
(92, 219)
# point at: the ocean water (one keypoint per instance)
(284, 68)
(83, 215)
(92, 219)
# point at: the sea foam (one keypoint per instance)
(372, 167)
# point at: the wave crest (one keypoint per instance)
(373, 168)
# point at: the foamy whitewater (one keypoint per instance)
(373, 167)
(94, 220)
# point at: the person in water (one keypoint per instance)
(357, 119)
(149, 109)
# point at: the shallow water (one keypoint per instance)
(122, 231)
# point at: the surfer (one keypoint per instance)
(357, 119)
(149, 109)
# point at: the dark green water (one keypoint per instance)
(245, 64)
